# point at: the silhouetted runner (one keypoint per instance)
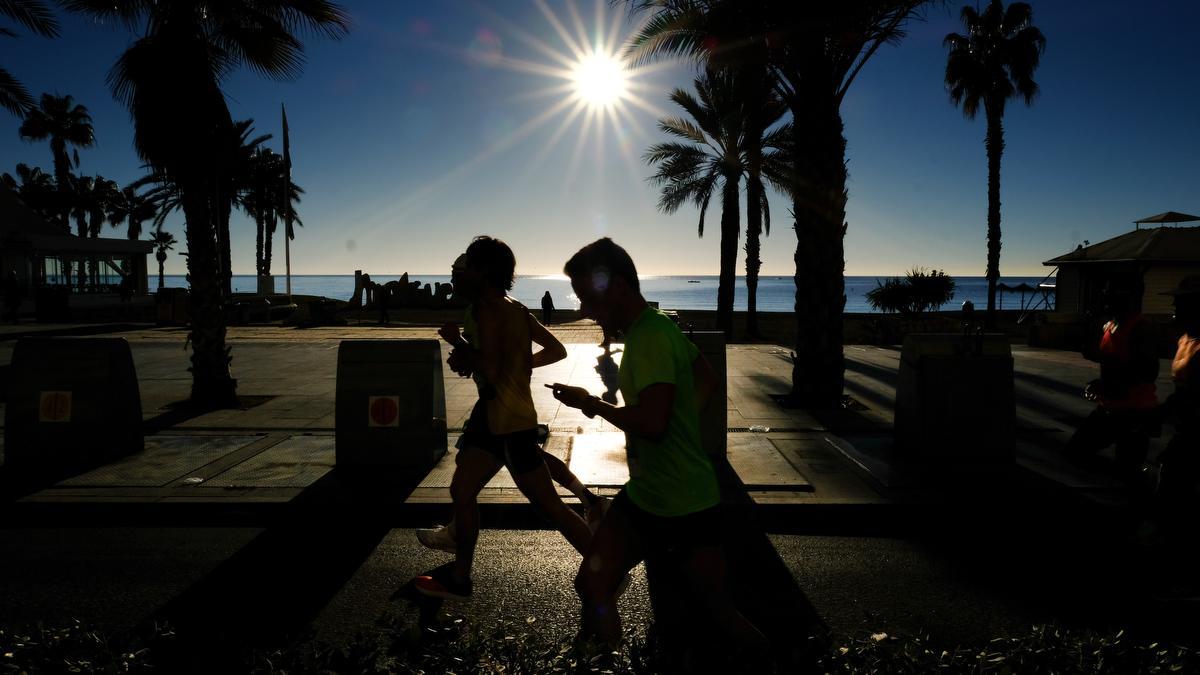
(1125, 394)
(670, 506)
(1180, 460)
(502, 429)
(547, 308)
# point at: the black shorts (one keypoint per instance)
(671, 535)
(519, 451)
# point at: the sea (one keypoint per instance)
(775, 294)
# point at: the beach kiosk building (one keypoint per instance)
(46, 257)
(1160, 255)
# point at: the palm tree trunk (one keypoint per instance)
(162, 258)
(995, 149)
(258, 244)
(730, 228)
(819, 207)
(753, 233)
(212, 385)
(268, 236)
(224, 211)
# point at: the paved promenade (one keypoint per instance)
(281, 443)
(963, 562)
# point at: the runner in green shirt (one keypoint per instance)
(670, 504)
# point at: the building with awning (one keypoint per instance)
(45, 256)
(1159, 257)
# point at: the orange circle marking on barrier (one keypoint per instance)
(384, 411)
(54, 406)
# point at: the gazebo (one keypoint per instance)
(1157, 256)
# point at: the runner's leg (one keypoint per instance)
(614, 551)
(474, 467)
(536, 486)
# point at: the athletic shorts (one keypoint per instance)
(519, 451)
(670, 534)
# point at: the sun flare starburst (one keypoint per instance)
(599, 79)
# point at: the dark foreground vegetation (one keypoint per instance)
(517, 648)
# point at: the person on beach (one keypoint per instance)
(670, 505)
(444, 537)
(1125, 393)
(547, 308)
(502, 429)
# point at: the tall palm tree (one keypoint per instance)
(64, 123)
(163, 241)
(708, 158)
(992, 63)
(762, 109)
(815, 51)
(170, 79)
(36, 16)
(238, 148)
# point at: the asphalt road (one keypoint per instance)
(963, 588)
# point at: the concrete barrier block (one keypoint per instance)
(71, 401)
(390, 408)
(954, 398)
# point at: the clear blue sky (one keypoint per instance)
(420, 130)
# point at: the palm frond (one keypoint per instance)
(32, 14)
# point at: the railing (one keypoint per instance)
(1034, 304)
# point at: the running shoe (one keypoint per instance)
(440, 583)
(595, 512)
(438, 538)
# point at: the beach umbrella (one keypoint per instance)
(1173, 217)
(1024, 288)
(1001, 287)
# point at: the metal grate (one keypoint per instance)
(164, 460)
(296, 463)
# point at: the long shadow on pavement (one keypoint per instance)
(271, 590)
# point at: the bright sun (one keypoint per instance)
(599, 80)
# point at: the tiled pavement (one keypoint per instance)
(271, 451)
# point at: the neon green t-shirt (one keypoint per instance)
(671, 477)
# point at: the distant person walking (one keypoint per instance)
(1125, 393)
(502, 429)
(547, 308)
(12, 297)
(670, 505)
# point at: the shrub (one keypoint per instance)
(918, 292)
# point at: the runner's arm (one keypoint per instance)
(648, 419)
(552, 350)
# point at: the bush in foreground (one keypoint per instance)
(517, 648)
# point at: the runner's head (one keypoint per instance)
(491, 262)
(1187, 305)
(605, 280)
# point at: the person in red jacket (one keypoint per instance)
(1125, 395)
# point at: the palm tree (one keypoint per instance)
(762, 109)
(814, 52)
(163, 241)
(36, 16)
(238, 163)
(37, 189)
(132, 208)
(710, 157)
(170, 79)
(991, 64)
(64, 123)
